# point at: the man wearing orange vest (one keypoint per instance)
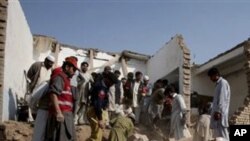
(60, 125)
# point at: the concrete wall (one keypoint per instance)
(136, 65)
(202, 84)
(239, 89)
(237, 80)
(165, 60)
(101, 59)
(43, 46)
(173, 61)
(234, 73)
(18, 57)
(241, 115)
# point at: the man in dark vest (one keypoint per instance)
(98, 104)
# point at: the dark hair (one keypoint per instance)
(107, 68)
(112, 77)
(158, 81)
(130, 75)
(85, 63)
(117, 72)
(213, 71)
(170, 89)
(65, 63)
(124, 78)
(165, 82)
(138, 73)
(207, 108)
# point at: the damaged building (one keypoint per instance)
(19, 49)
(234, 66)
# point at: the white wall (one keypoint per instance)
(42, 47)
(236, 79)
(202, 84)
(166, 60)
(18, 57)
(134, 65)
(239, 89)
(100, 60)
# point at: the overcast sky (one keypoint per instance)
(208, 27)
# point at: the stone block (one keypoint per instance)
(186, 56)
(3, 3)
(186, 71)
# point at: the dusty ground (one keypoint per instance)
(20, 131)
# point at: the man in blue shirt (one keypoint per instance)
(98, 103)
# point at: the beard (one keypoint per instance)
(69, 74)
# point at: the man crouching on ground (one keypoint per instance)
(99, 102)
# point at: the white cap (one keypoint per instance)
(51, 58)
(146, 77)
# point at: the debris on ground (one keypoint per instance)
(23, 131)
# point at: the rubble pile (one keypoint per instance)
(22, 131)
(16, 131)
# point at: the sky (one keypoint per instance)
(209, 27)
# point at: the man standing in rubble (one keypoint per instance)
(115, 95)
(178, 126)
(127, 87)
(76, 78)
(60, 125)
(137, 95)
(99, 103)
(39, 73)
(118, 89)
(221, 101)
(84, 88)
(146, 93)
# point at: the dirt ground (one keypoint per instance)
(21, 131)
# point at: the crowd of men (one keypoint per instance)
(101, 100)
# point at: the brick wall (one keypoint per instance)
(242, 114)
(3, 23)
(186, 71)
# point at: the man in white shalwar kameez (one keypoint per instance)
(41, 70)
(178, 128)
(83, 88)
(220, 109)
(137, 89)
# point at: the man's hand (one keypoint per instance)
(184, 119)
(101, 124)
(59, 117)
(217, 116)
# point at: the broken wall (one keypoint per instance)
(18, 53)
(100, 59)
(231, 67)
(173, 61)
(43, 46)
(165, 60)
(242, 114)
